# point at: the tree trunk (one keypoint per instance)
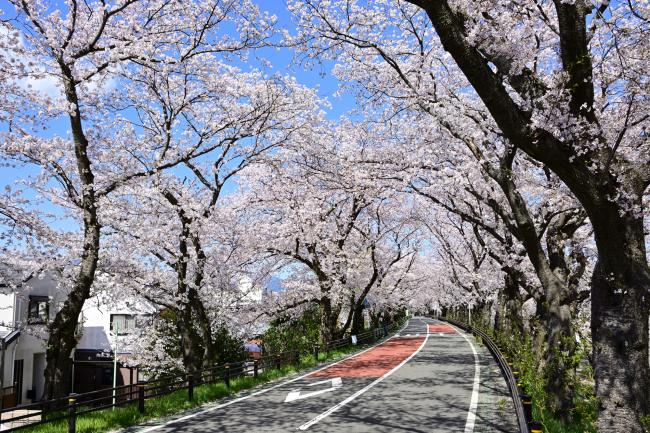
(511, 322)
(619, 324)
(209, 352)
(327, 325)
(190, 341)
(375, 319)
(557, 360)
(61, 340)
(358, 320)
(556, 318)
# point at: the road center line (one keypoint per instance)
(336, 407)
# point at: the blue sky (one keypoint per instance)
(281, 61)
(320, 77)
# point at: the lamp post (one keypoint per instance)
(116, 330)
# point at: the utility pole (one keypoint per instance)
(116, 330)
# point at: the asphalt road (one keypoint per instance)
(430, 377)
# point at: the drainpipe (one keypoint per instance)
(13, 352)
(3, 347)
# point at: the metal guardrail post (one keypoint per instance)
(527, 401)
(255, 368)
(190, 386)
(535, 427)
(520, 387)
(226, 375)
(141, 385)
(72, 413)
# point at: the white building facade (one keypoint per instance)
(24, 314)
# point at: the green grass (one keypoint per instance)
(108, 420)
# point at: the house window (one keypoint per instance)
(124, 323)
(38, 309)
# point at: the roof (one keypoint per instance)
(8, 336)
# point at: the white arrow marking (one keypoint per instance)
(296, 395)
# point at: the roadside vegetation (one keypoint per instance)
(520, 354)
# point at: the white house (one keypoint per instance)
(23, 336)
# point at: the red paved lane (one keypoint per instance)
(441, 329)
(375, 362)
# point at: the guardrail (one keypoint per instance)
(523, 403)
(70, 407)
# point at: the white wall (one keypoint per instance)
(97, 321)
(30, 346)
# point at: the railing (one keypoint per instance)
(523, 403)
(70, 407)
(364, 337)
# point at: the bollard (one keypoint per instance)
(141, 385)
(226, 375)
(72, 413)
(255, 367)
(535, 427)
(527, 401)
(190, 386)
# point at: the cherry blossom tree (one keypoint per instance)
(103, 60)
(274, 110)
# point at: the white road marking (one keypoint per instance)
(336, 407)
(254, 394)
(441, 334)
(296, 395)
(473, 404)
